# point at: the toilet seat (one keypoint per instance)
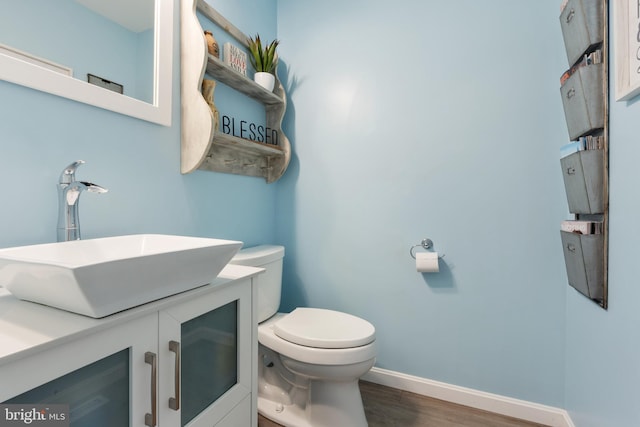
(313, 355)
(321, 328)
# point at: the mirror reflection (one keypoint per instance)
(112, 40)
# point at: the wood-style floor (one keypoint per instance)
(390, 407)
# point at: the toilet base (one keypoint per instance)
(332, 404)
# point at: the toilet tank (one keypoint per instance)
(270, 258)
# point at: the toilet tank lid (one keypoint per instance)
(258, 255)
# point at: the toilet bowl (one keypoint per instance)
(310, 360)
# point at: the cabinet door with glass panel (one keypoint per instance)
(208, 341)
(105, 378)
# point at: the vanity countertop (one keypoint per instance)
(27, 328)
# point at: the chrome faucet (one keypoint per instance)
(68, 198)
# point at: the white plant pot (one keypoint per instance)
(266, 80)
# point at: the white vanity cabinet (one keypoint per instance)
(206, 350)
(90, 374)
(186, 360)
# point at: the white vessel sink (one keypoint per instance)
(98, 277)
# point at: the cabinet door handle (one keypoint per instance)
(572, 12)
(571, 171)
(152, 359)
(174, 402)
(571, 247)
(571, 93)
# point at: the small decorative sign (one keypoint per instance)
(235, 58)
(247, 130)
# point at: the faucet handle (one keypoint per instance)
(68, 174)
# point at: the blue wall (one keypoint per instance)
(446, 123)
(138, 161)
(431, 119)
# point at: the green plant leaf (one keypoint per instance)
(262, 59)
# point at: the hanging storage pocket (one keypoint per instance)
(583, 174)
(583, 100)
(584, 258)
(582, 27)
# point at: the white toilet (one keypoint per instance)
(310, 359)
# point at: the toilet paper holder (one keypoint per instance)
(426, 244)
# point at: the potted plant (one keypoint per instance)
(264, 61)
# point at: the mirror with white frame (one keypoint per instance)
(113, 54)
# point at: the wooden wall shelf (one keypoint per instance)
(216, 68)
(202, 147)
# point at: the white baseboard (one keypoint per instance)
(521, 409)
